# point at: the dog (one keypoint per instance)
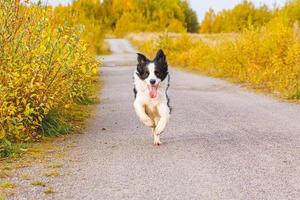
(151, 83)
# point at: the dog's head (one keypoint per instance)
(152, 72)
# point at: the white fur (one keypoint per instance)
(151, 68)
(153, 112)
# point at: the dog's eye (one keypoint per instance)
(157, 74)
(146, 73)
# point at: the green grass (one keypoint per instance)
(53, 124)
(8, 149)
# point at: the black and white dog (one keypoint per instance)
(151, 82)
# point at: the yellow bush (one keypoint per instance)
(43, 66)
(266, 59)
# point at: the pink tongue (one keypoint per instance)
(153, 91)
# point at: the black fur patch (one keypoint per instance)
(135, 92)
(142, 69)
(161, 65)
(168, 99)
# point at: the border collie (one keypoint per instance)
(151, 83)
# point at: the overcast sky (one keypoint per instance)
(201, 6)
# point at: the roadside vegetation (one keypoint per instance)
(263, 53)
(47, 71)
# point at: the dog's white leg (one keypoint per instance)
(156, 120)
(156, 140)
(140, 111)
(164, 113)
(156, 137)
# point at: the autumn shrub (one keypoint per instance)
(266, 59)
(43, 67)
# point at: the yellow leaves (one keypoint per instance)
(28, 110)
(95, 71)
(46, 67)
(2, 132)
(83, 69)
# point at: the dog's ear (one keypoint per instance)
(141, 59)
(161, 57)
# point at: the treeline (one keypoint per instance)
(124, 16)
(246, 15)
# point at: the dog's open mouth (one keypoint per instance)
(152, 91)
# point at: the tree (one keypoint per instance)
(190, 18)
(208, 21)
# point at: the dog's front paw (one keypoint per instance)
(157, 140)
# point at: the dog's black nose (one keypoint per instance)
(152, 81)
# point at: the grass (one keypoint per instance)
(49, 190)
(53, 124)
(51, 174)
(53, 166)
(14, 167)
(6, 167)
(25, 176)
(9, 149)
(7, 184)
(4, 174)
(38, 183)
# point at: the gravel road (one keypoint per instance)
(222, 142)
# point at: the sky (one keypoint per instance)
(201, 6)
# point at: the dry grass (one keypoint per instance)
(51, 174)
(49, 190)
(38, 183)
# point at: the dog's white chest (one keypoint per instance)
(151, 106)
